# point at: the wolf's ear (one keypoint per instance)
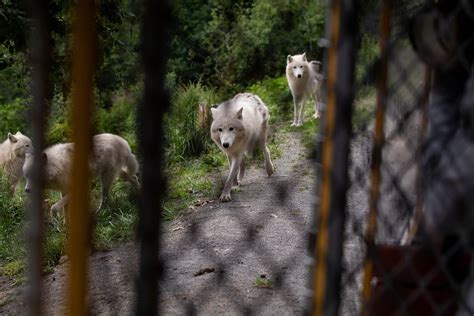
(304, 56)
(289, 59)
(213, 111)
(12, 138)
(239, 113)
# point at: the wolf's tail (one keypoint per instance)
(131, 164)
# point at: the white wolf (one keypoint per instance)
(111, 157)
(238, 125)
(304, 79)
(12, 157)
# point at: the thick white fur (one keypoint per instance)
(304, 79)
(238, 125)
(12, 157)
(112, 157)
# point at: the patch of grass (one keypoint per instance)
(116, 221)
(54, 247)
(12, 226)
(190, 182)
(263, 281)
(364, 107)
(13, 268)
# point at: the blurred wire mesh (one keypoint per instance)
(427, 86)
(429, 278)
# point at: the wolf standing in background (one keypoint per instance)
(304, 79)
(238, 125)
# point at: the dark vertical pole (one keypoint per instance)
(155, 49)
(379, 140)
(40, 58)
(335, 156)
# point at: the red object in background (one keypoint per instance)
(413, 280)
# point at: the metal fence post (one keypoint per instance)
(155, 42)
(40, 58)
(83, 70)
(335, 156)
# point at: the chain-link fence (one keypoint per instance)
(396, 150)
(407, 235)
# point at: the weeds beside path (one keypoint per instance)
(215, 256)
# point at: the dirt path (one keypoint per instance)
(214, 255)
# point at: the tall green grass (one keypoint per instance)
(185, 137)
(12, 225)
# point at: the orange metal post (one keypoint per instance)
(83, 69)
(327, 158)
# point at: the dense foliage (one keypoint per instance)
(231, 44)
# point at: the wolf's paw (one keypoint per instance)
(269, 168)
(225, 197)
(294, 124)
(316, 115)
(300, 123)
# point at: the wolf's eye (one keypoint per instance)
(231, 129)
(294, 67)
(27, 146)
(220, 129)
(301, 66)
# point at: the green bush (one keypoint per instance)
(59, 124)
(185, 136)
(231, 44)
(12, 116)
(120, 118)
(277, 96)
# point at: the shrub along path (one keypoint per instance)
(221, 258)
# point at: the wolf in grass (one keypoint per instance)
(111, 157)
(304, 79)
(12, 157)
(237, 126)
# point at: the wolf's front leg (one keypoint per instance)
(234, 168)
(295, 113)
(59, 206)
(301, 112)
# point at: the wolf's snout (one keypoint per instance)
(299, 75)
(226, 145)
(27, 190)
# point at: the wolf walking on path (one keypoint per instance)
(304, 79)
(238, 125)
(112, 157)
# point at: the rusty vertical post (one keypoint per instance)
(40, 58)
(335, 157)
(379, 139)
(84, 57)
(154, 52)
